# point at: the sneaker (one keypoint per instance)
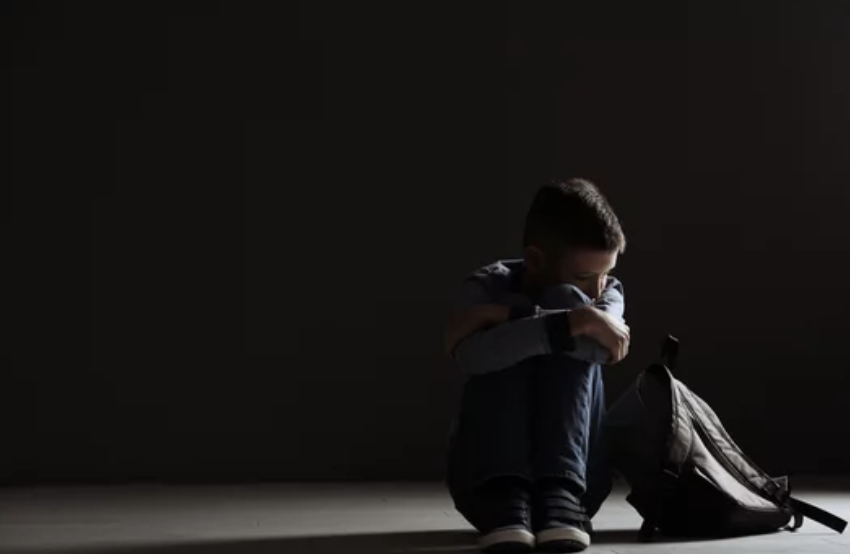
(559, 522)
(566, 537)
(504, 517)
(507, 539)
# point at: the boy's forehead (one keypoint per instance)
(590, 260)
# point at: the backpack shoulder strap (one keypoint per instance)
(779, 489)
(802, 509)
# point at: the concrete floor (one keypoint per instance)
(319, 519)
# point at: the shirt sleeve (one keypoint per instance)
(612, 301)
(529, 332)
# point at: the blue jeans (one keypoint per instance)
(542, 418)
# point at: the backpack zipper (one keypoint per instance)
(719, 455)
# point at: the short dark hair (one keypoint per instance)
(572, 213)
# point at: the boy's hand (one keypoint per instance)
(607, 330)
(471, 321)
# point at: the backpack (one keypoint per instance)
(687, 476)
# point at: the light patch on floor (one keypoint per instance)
(384, 518)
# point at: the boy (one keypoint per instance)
(525, 456)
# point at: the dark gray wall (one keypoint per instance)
(719, 137)
(388, 152)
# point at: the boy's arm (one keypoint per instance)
(485, 337)
(612, 302)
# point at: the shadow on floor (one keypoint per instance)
(424, 542)
(631, 536)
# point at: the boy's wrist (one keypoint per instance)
(580, 323)
(496, 314)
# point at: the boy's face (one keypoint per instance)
(584, 268)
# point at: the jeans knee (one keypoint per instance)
(564, 297)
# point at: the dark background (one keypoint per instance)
(282, 201)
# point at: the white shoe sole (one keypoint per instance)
(562, 539)
(507, 540)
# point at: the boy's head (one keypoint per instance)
(572, 235)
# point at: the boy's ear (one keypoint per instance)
(534, 259)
